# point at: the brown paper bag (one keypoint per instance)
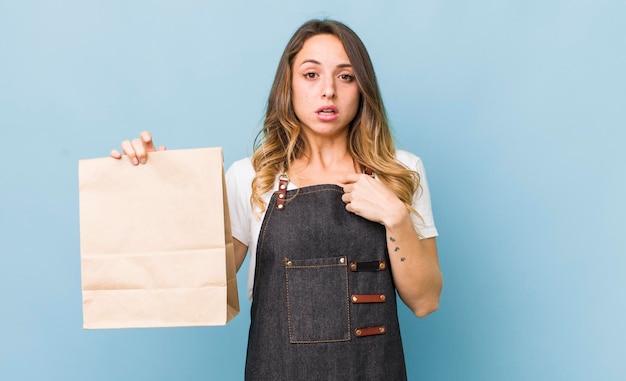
(155, 241)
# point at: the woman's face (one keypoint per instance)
(325, 93)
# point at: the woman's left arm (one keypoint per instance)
(414, 261)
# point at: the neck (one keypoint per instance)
(325, 151)
(322, 163)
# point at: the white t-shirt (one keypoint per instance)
(246, 224)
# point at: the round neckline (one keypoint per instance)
(291, 186)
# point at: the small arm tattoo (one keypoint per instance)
(397, 248)
(403, 259)
(394, 240)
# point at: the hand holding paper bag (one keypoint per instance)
(156, 244)
(137, 150)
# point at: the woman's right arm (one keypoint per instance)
(137, 150)
(240, 252)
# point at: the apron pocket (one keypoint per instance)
(318, 309)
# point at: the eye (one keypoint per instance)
(310, 75)
(346, 77)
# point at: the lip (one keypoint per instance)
(327, 113)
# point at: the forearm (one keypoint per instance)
(240, 252)
(414, 265)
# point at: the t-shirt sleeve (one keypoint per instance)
(425, 222)
(239, 188)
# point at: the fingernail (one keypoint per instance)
(143, 161)
(135, 161)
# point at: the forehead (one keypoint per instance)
(323, 48)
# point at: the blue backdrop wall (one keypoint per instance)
(516, 107)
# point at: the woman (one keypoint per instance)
(337, 220)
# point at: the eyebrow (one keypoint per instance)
(341, 66)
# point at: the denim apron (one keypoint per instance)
(324, 303)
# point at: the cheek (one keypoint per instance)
(301, 95)
(297, 91)
(356, 100)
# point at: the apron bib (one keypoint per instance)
(324, 303)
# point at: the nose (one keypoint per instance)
(328, 90)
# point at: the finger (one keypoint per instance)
(129, 151)
(115, 154)
(146, 139)
(346, 179)
(345, 198)
(162, 148)
(349, 208)
(140, 150)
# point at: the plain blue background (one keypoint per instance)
(516, 107)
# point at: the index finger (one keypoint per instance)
(349, 178)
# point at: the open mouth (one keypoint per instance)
(327, 110)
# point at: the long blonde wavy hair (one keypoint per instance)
(280, 141)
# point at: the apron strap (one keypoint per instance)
(283, 180)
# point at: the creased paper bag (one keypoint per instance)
(155, 241)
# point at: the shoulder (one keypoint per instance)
(241, 169)
(410, 160)
(239, 177)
